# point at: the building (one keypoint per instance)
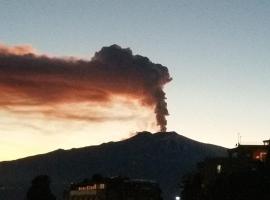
(243, 173)
(242, 157)
(250, 152)
(117, 188)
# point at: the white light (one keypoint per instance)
(177, 198)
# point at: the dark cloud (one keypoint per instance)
(28, 79)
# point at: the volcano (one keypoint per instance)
(163, 157)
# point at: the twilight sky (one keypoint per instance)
(216, 53)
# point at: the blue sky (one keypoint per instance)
(216, 51)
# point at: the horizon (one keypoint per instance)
(131, 136)
(108, 142)
(215, 52)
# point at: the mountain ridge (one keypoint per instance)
(163, 157)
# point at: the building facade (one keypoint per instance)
(117, 188)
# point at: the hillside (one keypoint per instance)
(163, 157)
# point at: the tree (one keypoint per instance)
(40, 189)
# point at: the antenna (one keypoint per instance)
(238, 138)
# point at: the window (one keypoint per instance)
(219, 169)
(102, 186)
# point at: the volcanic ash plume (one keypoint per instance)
(38, 81)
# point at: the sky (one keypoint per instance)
(216, 53)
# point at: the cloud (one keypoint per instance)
(37, 81)
(17, 50)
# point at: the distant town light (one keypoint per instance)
(177, 198)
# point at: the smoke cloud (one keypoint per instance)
(46, 84)
(16, 50)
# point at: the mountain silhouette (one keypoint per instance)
(163, 157)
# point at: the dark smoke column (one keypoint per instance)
(161, 110)
(139, 77)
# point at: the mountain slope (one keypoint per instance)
(163, 157)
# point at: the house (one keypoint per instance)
(250, 152)
(242, 157)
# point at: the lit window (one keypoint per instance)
(102, 186)
(218, 169)
(263, 156)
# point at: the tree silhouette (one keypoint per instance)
(40, 189)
